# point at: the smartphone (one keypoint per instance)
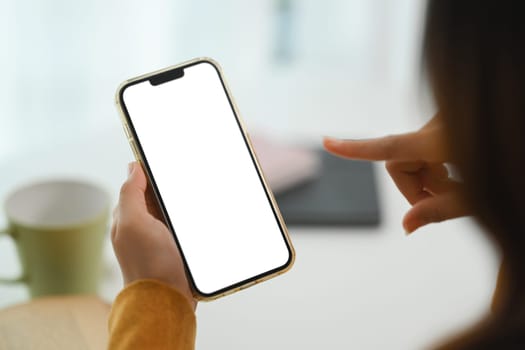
(185, 129)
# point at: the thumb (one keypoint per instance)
(132, 192)
(434, 209)
(136, 176)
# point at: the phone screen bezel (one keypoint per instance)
(176, 72)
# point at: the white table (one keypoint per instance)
(359, 288)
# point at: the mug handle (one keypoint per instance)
(20, 279)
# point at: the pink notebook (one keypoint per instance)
(285, 166)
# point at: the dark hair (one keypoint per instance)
(474, 53)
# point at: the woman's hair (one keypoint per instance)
(474, 54)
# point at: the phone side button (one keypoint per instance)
(127, 132)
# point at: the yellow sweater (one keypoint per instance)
(149, 314)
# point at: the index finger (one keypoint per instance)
(422, 145)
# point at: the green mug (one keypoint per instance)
(58, 228)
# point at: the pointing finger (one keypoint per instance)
(420, 145)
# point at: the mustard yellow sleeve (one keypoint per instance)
(149, 314)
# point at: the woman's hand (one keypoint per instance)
(143, 244)
(416, 163)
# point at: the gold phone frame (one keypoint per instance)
(139, 156)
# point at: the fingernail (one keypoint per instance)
(332, 140)
(131, 166)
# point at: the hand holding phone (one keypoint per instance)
(184, 128)
(143, 244)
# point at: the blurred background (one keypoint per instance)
(298, 69)
(353, 63)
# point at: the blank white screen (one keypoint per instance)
(206, 178)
